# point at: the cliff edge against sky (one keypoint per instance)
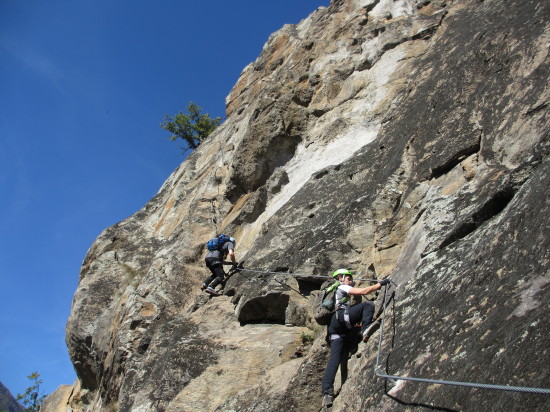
(395, 138)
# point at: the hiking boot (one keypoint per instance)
(327, 400)
(373, 327)
(212, 291)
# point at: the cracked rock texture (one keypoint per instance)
(396, 138)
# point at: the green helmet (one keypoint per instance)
(340, 272)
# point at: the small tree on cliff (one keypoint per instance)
(193, 127)
(32, 398)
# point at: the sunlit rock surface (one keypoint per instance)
(396, 138)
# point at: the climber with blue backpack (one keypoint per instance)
(219, 248)
(343, 334)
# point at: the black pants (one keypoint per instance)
(218, 274)
(342, 339)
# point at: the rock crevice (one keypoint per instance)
(395, 138)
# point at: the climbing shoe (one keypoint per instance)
(373, 327)
(212, 291)
(327, 401)
(203, 286)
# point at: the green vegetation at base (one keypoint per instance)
(32, 398)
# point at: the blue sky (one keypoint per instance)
(84, 86)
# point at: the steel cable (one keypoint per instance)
(378, 371)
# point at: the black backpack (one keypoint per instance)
(325, 301)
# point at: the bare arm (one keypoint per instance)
(364, 291)
(231, 255)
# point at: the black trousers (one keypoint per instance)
(218, 274)
(342, 340)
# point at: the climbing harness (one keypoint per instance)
(392, 378)
(346, 319)
(336, 336)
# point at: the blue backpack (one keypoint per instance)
(217, 242)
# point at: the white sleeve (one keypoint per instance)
(345, 288)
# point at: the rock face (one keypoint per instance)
(395, 138)
(8, 402)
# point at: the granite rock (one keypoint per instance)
(395, 138)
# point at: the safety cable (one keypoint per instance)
(291, 288)
(214, 220)
(276, 280)
(378, 370)
(304, 275)
(297, 275)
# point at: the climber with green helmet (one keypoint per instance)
(342, 334)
